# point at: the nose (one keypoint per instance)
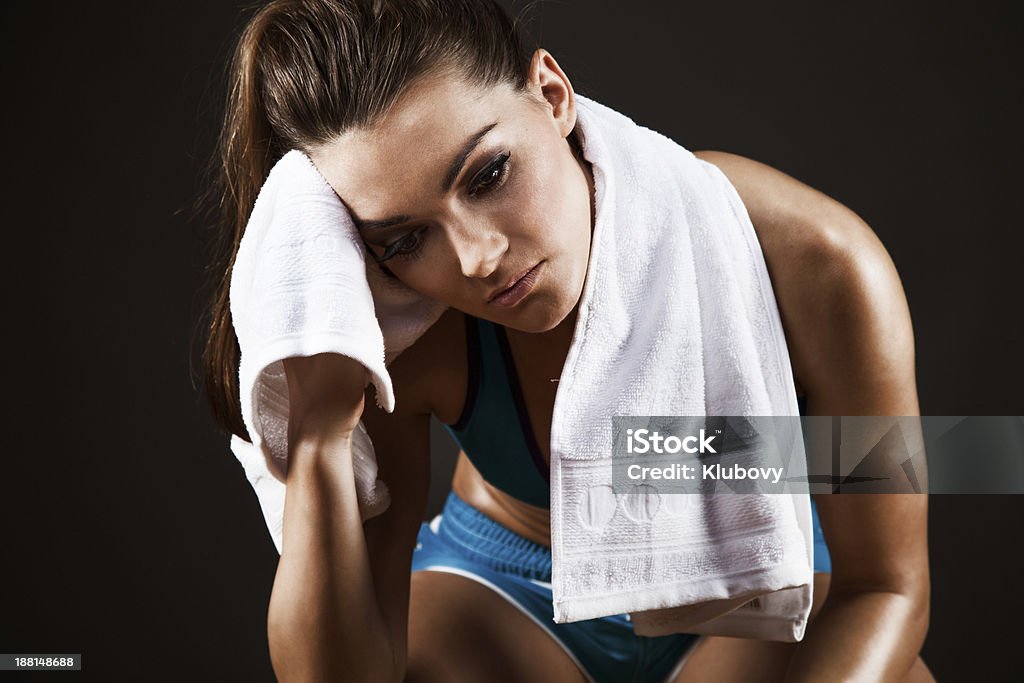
(479, 250)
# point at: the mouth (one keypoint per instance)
(517, 289)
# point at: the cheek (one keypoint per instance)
(427, 282)
(545, 204)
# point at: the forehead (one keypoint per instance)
(404, 156)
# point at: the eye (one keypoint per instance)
(407, 247)
(492, 175)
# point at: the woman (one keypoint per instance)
(456, 155)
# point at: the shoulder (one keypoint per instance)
(838, 291)
(790, 217)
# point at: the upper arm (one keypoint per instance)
(850, 337)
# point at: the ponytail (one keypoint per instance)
(243, 161)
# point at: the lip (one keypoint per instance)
(517, 289)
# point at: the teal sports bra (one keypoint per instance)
(494, 428)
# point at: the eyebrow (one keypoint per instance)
(384, 223)
(460, 161)
(449, 179)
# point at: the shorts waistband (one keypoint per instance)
(484, 540)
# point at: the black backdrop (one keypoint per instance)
(129, 531)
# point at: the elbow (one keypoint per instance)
(907, 605)
(916, 591)
(293, 657)
(921, 602)
(284, 659)
(297, 658)
(918, 616)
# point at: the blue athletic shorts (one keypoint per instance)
(462, 540)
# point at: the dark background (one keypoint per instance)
(129, 531)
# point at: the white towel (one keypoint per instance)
(677, 317)
(302, 284)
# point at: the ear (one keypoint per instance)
(549, 82)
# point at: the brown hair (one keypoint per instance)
(304, 71)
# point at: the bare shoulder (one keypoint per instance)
(840, 297)
(430, 376)
(791, 217)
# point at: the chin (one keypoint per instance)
(545, 315)
(543, 326)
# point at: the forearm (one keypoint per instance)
(861, 636)
(324, 622)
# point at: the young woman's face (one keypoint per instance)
(464, 189)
